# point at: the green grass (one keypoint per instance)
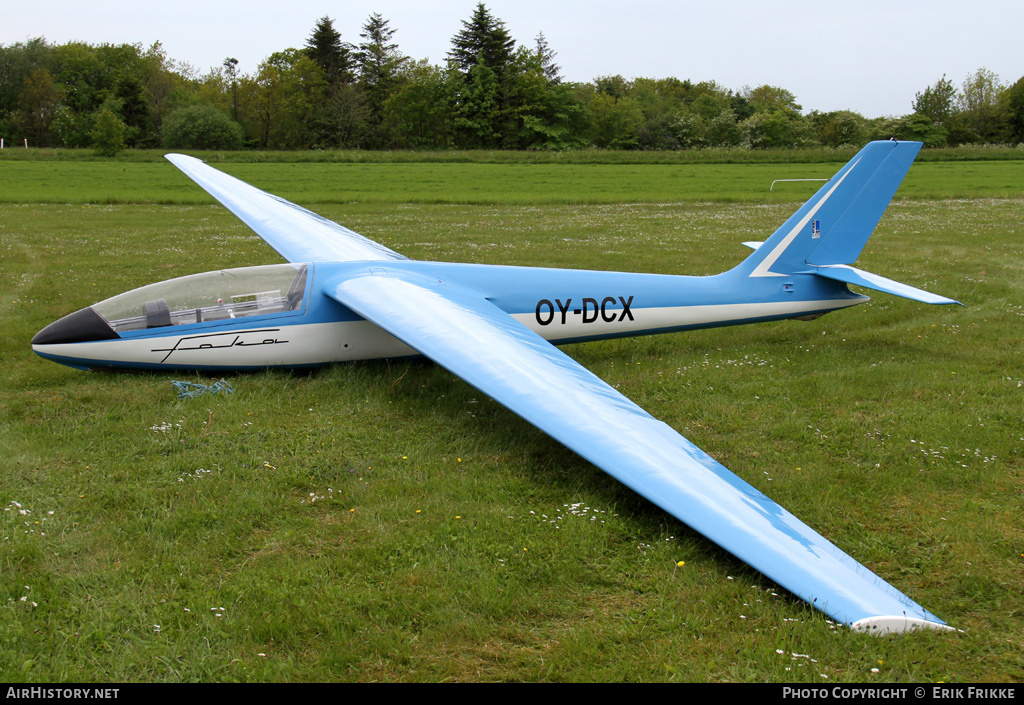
(482, 183)
(386, 522)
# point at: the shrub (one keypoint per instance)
(108, 133)
(201, 127)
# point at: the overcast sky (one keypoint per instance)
(870, 56)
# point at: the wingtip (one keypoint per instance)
(883, 625)
(175, 158)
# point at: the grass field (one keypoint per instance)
(483, 183)
(386, 522)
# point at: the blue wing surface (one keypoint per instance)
(477, 341)
(297, 234)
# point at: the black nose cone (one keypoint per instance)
(78, 327)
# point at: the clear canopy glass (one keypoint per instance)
(211, 296)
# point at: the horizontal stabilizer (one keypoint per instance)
(754, 244)
(858, 277)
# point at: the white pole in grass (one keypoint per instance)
(26, 143)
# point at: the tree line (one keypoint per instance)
(491, 93)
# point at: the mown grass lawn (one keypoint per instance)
(385, 521)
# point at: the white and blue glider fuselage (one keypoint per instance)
(559, 305)
(343, 297)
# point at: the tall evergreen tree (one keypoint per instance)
(546, 55)
(378, 58)
(379, 64)
(483, 39)
(484, 55)
(326, 49)
(339, 119)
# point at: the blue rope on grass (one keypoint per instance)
(191, 390)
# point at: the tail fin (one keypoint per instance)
(829, 231)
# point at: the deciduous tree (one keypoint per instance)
(936, 102)
(771, 98)
(1014, 98)
(419, 114)
(980, 107)
(37, 107)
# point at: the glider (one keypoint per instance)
(344, 297)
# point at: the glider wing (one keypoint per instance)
(474, 339)
(298, 235)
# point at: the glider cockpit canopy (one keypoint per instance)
(210, 296)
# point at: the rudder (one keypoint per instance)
(835, 224)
